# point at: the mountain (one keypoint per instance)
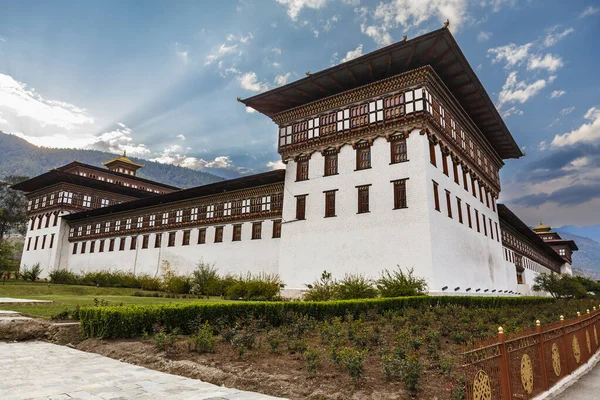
(19, 157)
(592, 231)
(586, 261)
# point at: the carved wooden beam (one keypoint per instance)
(433, 46)
(335, 82)
(371, 71)
(410, 57)
(389, 65)
(321, 88)
(351, 75)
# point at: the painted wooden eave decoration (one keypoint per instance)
(437, 49)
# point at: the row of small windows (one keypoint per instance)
(363, 206)
(81, 247)
(526, 249)
(484, 195)
(36, 242)
(64, 197)
(484, 223)
(521, 261)
(40, 219)
(118, 182)
(363, 159)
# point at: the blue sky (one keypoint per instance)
(160, 79)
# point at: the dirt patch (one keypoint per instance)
(17, 329)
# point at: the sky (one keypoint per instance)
(160, 79)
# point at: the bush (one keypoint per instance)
(354, 286)
(203, 341)
(206, 281)
(147, 282)
(63, 276)
(312, 358)
(32, 274)
(397, 283)
(560, 286)
(321, 290)
(177, 284)
(411, 369)
(274, 340)
(259, 287)
(131, 321)
(354, 362)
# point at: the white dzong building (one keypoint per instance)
(392, 158)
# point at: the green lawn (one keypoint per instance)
(68, 296)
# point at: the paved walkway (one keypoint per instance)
(586, 388)
(37, 370)
(11, 300)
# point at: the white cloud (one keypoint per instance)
(543, 145)
(352, 54)
(557, 93)
(586, 133)
(589, 11)
(511, 111)
(566, 111)
(548, 62)
(514, 91)
(182, 52)
(484, 36)
(330, 23)
(411, 13)
(241, 39)
(223, 50)
(17, 99)
(175, 155)
(2, 120)
(276, 164)
(2, 39)
(276, 50)
(552, 36)
(249, 81)
(182, 137)
(295, 6)
(281, 80)
(351, 2)
(250, 110)
(511, 53)
(379, 34)
(496, 5)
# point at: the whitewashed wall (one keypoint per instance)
(351, 242)
(247, 255)
(47, 257)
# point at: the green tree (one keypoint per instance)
(13, 204)
(560, 286)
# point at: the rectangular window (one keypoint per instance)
(493, 204)
(43, 241)
(302, 170)
(165, 218)
(128, 224)
(92, 246)
(32, 227)
(477, 220)
(40, 222)
(140, 222)
(484, 224)
(237, 233)
(481, 194)
(497, 235)
(331, 164)
(445, 163)
(363, 199)
(87, 201)
(47, 224)
(399, 194)
(179, 216)
(122, 244)
(256, 230)
(111, 245)
(330, 203)
(186, 238)
(491, 228)
(277, 228)
(52, 240)
(157, 240)
(104, 202)
(398, 149)
(171, 242)
(473, 186)
(133, 243)
(459, 208)
(455, 170)
(74, 248)
(145, 240)
(301, 207)
(101, 246)
(201, 236)
(218, 234)
(363, 157)
(28, 243)
(469, 216)
(432, 154)
(449, 204)
(194, 214)
(436, 197)
(465, 184)
(152, 221)
(83, 244)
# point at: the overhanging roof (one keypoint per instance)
(570, 243)
(437, 49)
(277, 176)
(511, 219)
(56, 176)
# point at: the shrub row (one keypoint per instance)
(106, 279)
(133, 321)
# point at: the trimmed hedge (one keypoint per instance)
(133, 321)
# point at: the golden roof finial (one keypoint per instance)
(447, 23)
(124, 153)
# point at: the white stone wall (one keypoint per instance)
(239, 257)
(46, 257)
(351, 242)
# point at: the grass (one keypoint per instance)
(66, 297)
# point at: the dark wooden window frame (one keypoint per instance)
(455, 171)
(330, 163)
(172, 239)
(186, 237)
(158, 240)
(302, 169)
(432, 158)
(276, 228)
(202, 236)
(122, 244)
(111, 245)
(92, 246)
(330, 203)
(301, 207)
(436, 197)
(469, 216)
(400, 193)
(477, 221)
(218, 234)
(398, 150)
(74, 248)
(445, 164)
(236, 235)
(459, 209)
(133, 243)
(363, 199)
(145, 241)
(449, 203)
(363, 149)
(257, 230)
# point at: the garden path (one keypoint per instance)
(586, 388)
(38, 370)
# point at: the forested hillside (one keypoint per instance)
(19, 157)
(586, 261)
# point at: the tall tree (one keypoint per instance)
(13, 205)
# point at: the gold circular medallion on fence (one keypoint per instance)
(588, 342)
(576, 349)
(595, 335)
(555, 359)
(482, 390)
(526, 373)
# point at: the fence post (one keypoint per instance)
(504, 374)
(542, 355)
(565, 345)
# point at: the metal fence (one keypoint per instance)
(524, 366)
